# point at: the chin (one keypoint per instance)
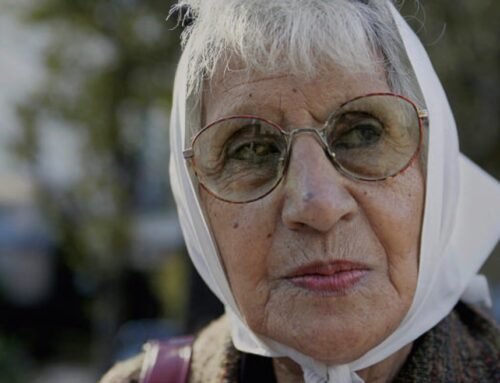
(332, 329)
(334, 342)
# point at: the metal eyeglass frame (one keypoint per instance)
(422, 115)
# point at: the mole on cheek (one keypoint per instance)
(269, 235)
(236, 225)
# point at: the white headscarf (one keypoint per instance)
(460, 228)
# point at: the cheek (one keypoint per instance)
(394, 209)
(243, 234)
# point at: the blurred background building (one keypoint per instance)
(92, 262)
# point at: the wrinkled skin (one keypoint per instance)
(316, 214)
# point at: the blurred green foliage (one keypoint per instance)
(109, 65)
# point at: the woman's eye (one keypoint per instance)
(253, 151)
(359, 135)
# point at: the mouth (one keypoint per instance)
(333, 278)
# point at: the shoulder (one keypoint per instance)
(479, 343)
(214, 356)
(463, 347)
(208, 357)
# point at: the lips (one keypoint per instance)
(335, 278)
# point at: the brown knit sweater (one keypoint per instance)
(463, 347)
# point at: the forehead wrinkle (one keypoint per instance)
(241, 104)
(250, 82)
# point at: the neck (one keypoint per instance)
(287, 371)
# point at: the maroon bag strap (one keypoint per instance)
(168, 361)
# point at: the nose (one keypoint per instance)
(315, 193)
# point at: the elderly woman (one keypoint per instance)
(323, 199)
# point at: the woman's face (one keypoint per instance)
(324, 264)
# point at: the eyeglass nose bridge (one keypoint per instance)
(317, 133)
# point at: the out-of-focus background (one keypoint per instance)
(92, 262)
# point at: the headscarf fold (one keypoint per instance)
(459, 230)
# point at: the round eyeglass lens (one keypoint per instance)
(374, 137)
(239, 159)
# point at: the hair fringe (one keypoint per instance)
(295, 36)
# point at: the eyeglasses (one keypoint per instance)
(241, 159)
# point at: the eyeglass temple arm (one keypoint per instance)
(423, 114)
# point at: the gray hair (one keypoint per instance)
(296, 36)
